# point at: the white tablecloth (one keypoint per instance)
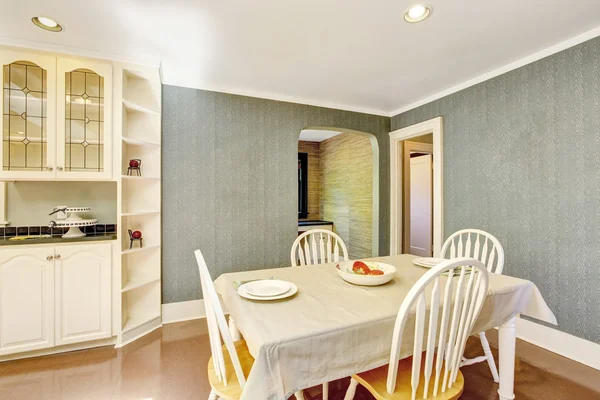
(331, 329)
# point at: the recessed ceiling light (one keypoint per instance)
(417, 13)
(47, 24)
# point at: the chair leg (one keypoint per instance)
(213, 395)
(351, 390)
(326, 391)
(299, 395)
(490, 357)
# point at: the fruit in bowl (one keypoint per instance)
(366, 273)
(360, 268)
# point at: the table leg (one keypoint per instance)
(351, 390)
(233, 330)
(507, 339)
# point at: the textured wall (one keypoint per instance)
(230, 181)
(347, 190)
(314, 176)
(522, 161)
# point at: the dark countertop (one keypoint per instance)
(305, 222)
(4, 241)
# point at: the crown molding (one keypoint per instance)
(180, 78)
(75, 51)
(183, 80)
(574, 41)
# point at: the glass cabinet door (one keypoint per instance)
(84, 131)
(28, 116)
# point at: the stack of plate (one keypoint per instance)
(428, 262)
(267, 289)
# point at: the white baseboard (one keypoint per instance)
(569, 346)
(183, 311)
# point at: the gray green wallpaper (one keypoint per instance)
(522, 161)
(230, 181)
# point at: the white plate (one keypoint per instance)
(428, 262)
(293, 290)
(267, 288)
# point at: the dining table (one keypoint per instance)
(331, 329)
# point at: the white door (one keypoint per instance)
(26, 299)
(28, 123)
(84, 127)
(83, 303)
(421, 206)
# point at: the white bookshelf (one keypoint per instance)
(139, 206)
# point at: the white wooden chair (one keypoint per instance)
(317, 246)
(230, 363)
(439, 377)
(486, 248)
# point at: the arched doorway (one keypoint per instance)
(341, 172)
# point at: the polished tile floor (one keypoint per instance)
(170, 364)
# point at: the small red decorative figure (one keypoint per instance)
(135, 165)
(135, 235)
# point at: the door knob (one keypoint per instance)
(49, 168)
(49, 258)
(57, 257)
(59, 168)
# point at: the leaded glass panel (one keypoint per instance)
(84, 136)
(24, 140)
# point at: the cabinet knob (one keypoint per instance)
(57, 257)
(59, 168)
(49, 258)
(49, 168)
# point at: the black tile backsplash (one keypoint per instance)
(97, 230)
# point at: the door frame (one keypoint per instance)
(435, 127)
(407, 147)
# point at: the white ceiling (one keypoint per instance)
(351, 54)
(316, 135)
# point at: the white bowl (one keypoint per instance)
(345, 271)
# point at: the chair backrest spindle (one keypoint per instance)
(491, 254)
(471, 289)
(217, 326)
(318, 246)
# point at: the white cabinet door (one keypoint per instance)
(28, 123)
(26, 299)
(84, 109)
(83, 301)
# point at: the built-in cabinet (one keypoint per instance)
(83, 301)
(139, 120)
(56, 117)
(71, 118)
(26, 299)
(54, 295)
